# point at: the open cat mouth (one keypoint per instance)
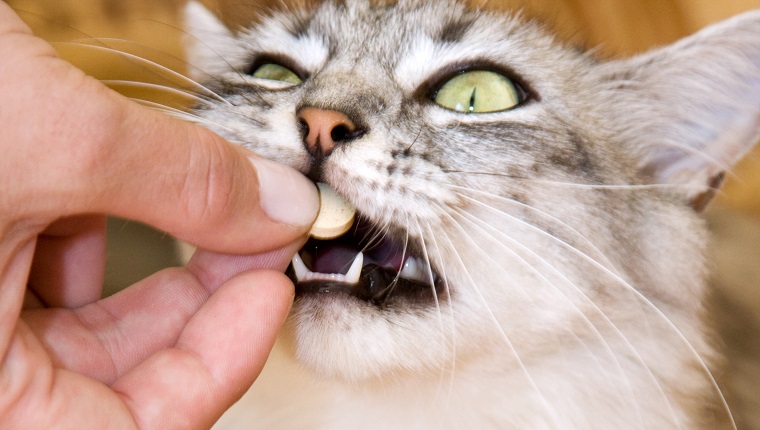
(364, 264)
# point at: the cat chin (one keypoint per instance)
(352, 340)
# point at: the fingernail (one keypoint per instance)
(286, 195)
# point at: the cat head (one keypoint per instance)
(511, 190)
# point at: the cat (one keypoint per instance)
(528, 214)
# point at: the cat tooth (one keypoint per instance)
(413, 269)
(409, 270)
(302, 272)
(355, 271)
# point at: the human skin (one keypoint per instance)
(177, 348)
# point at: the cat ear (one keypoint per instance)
(209, 44)
(691, 110)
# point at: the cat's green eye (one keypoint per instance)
(275, 72)
(478, 91)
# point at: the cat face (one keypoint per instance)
(515, 197)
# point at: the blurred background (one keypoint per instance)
(90, 33)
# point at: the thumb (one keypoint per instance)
(94, 151)
(188, 181)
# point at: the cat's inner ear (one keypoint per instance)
(210, 45)
(689, 111)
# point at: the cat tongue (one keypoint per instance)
(337, 257)
(387, 254)
(333, 259)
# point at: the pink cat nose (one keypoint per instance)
(325, 129)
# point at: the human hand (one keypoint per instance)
(176, 349)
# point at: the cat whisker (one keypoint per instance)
(452, 320)
(546, 215)
(152, 66)
(521, 364)
(430, 273)
(609, 266)
(409, 148)
(394, 282)
(174, 112)
(622, 187)
(377, 232)
(431, 279)
(226, 62)
(476, 222)
(541, 275)
(642, 299)
(157, 87)
(183, 115)
(207, 76)
(176, 77)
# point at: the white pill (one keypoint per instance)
(335, 217)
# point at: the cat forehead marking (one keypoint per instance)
(275, 36)
(414, 42)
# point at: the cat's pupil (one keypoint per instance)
(472, 100)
